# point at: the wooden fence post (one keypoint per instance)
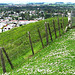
(8, 58)
(67, 26)
(40, 38)
(59, 27)
(50, 32)
(31, 43)
(46, 33)
(54, 28)
(62, 27)
(63, 23)
(2, 61)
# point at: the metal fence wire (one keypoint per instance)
(73, 17)
(20, 44)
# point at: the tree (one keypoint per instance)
(47, 16)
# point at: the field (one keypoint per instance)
(56, 59)
(16, 43)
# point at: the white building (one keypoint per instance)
(31, 21)
(24, 22)
(1, 26)
(16, 23)
(8, 27)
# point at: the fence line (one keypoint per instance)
(54, 29)
(40, 38)
(8, 58)
(50, 32)
(2, 59)
(46, 33)
(59, 27)
(47, 28)
(31, 43)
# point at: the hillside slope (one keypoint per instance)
(56, 59)
(16, 41)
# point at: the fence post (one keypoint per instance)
(8, 58)
(62, 27)
(46, 33)
(54, 28)
(31, 43)
(2, 61)
(67, 26)
(50, 32)
(59, 27)
(40, 38)
(63, 23)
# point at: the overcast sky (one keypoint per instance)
(26, 1)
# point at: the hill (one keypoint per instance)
(56, 59)
(3, 4)
(16, 41)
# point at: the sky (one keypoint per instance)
(27, 1)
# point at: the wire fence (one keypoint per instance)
(29, 41)
(73, 17)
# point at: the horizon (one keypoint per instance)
(33, 1)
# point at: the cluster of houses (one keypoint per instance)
(18, 15)
(7, 25)
(8, 19)
(8, 22)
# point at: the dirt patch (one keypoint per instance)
(30, 56)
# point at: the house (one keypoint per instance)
(0, 30)
(21, 22)
(24, 22)
(14, 21)
(8, 27)
(1, 26)
(40, 18)
(31, 21)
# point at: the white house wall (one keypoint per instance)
(0, 30)
(7, 28)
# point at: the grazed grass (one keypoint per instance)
(16, 41)
(56, 59)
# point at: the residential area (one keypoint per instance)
(17, 15)
(7, 25)
(11, 19)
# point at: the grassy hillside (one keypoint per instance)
(56, 59)
(16, 41)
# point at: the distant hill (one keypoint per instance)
(3, 4)
(59, 3)
(36, 3)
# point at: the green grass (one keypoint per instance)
(58, 58)
(73, 21)
(16, 41)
